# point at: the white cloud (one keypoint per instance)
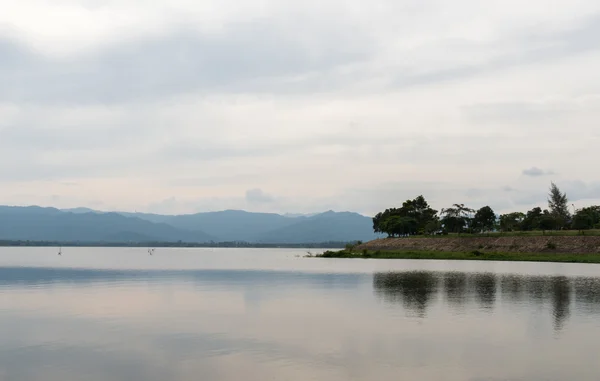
(186, 105)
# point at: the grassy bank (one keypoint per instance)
(470, 255)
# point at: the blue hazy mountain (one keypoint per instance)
(50, 224)
(83, 224)
(238, 225)
(328, 226)
(227, 225)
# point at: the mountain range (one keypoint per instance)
(34, 223)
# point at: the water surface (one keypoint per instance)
(269, 314)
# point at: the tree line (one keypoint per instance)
(417, 217)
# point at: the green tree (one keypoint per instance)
(511, 221)
(485, 219)
(558, 203)
(433, 226)
(397, 226)
(417, 215)
(532, 219)
(456, 218)
(586, 218)
(547, 221)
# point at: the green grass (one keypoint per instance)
(471, 255)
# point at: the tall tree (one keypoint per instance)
(485, 219)
(558, 203)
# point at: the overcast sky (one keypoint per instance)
(184, 106)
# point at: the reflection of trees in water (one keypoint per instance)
(455, 287)
(541, 290)
(587, 294)
(537, 288)
(417, 289)
(413, 289)
(485, 289)
(561, 300)
(512, 288)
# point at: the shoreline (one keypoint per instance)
(474, 255)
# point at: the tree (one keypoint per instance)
(558, 205)
(586, 218)
(397, 225)
(547, 221)
(532, 219)
(485, 219)
(457, 217)
(511, 221)
(417, 215)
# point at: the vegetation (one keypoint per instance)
(416, 217)
(471, 255)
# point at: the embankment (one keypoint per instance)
(504, 244)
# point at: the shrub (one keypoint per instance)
(550, 245)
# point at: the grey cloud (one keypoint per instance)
(184, 61)
(576, 190)
(257, 196)
(527, 47)
(536, 172)
(515, 112)
(261, 56)
(580, 190)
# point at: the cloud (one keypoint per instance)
(185, 106)
(257, 196)
(536, 172)
(247, 56)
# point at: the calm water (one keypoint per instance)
(230, 315)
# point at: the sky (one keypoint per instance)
(187, 106)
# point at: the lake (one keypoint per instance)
(100, 314)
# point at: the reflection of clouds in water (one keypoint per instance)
(231, 325)
(30, 276)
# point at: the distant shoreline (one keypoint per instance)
(321, 245)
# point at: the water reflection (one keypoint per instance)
(417, 290)
(485, 289)
(226, 325)
(587, 294)
(413, 289)
(455, 287)
(561, 300)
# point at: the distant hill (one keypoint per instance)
(341, 227)
(238, 225)
(85, 225)
(232, 225)
(50, 224)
